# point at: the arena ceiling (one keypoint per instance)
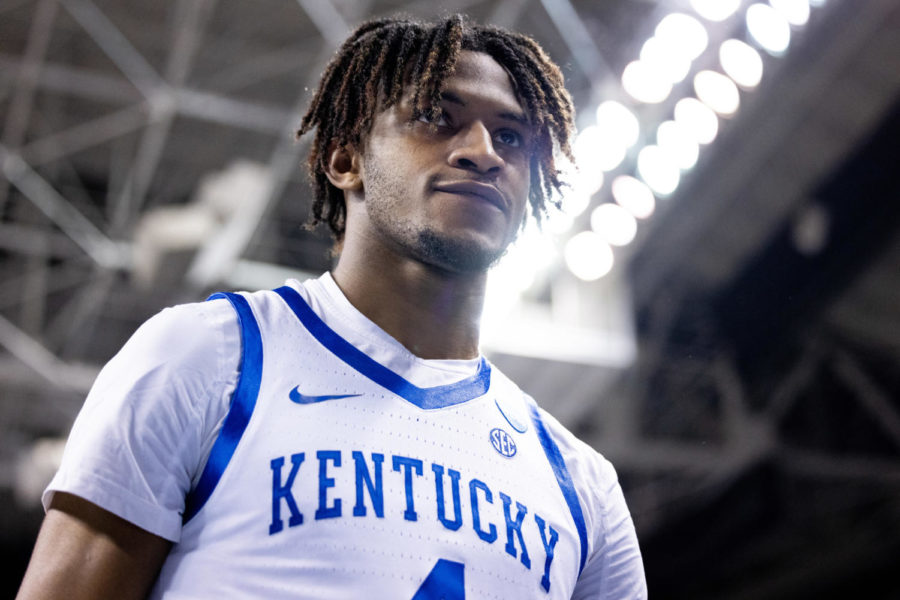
(147, 158)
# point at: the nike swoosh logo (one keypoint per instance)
(300, 398)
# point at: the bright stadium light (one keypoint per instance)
(532, 251)
(717, 91)
(512, 276)
(616, 121)
(531, 254)
(614, 224)
(558, 222)
(715, 10)
(587, 178)
(672, 65)
(741, 62)
(682, 34)
(588, 257)
(594, 150)
(795, 12)
(697, 118)
(657, 170)
(588, 181)
(769, 28)
(634, 196)
(575, 200)
(645, 83)
(676, 141)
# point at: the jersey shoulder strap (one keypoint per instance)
(243, 402)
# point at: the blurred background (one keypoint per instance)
(717, 310)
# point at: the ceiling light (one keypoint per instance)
(633, 195)
(614, 224)
(558, 222)
(741, 62)
(644, 82)
(676, 141)
(715, 10)
(810, 229)
(657, 170)
(682, 34)
(717, 91)
(531, 253)
(795, 12)
(769, 28)
(575, 200)
(594, 150)
(697, 118)
(588, 257)
(616, 121)
(511, 276)
(674, 66)
(588, 181)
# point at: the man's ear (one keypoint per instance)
(343, 168)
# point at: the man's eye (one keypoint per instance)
(439, 120)
(509, 138)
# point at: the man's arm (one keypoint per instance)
(83, 551)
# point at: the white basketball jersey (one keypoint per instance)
(335, 478)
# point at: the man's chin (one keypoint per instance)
(458, 255)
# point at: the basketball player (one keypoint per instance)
(344, 437)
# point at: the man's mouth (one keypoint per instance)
(484, 191)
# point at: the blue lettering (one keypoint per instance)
(446, 582)
(376, 491)
(516, 526)
(324, 511)
(408, 465)
(548, 550)
(280, 492)
(491, 534)
(456, 523)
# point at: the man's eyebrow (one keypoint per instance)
(452, 98)
(517, 117)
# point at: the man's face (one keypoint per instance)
(451, 194)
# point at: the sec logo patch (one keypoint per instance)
(503, 442)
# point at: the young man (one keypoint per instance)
(344, 438)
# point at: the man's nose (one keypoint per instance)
(474, 150)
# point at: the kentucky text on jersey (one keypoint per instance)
(369, 478)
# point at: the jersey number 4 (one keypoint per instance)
(444, 582)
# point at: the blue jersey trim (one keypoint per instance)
(426, 398)
(563, 478)
(243, 401)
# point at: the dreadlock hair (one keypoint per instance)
(373, 66)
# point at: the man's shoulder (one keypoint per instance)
(216, 313)
(571, 446)
(192, 323)
(196, 337)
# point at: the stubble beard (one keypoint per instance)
(423, 243)
(457, 255)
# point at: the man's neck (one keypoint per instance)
(433, 313)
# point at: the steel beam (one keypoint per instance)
(197, 104)
(101, 249)
(84, 135)
(851, 468)
(869, 395)
(578, 39)
(116, 46)
(327, 19)
(190, 20)
(59, 373)
(19, 112)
